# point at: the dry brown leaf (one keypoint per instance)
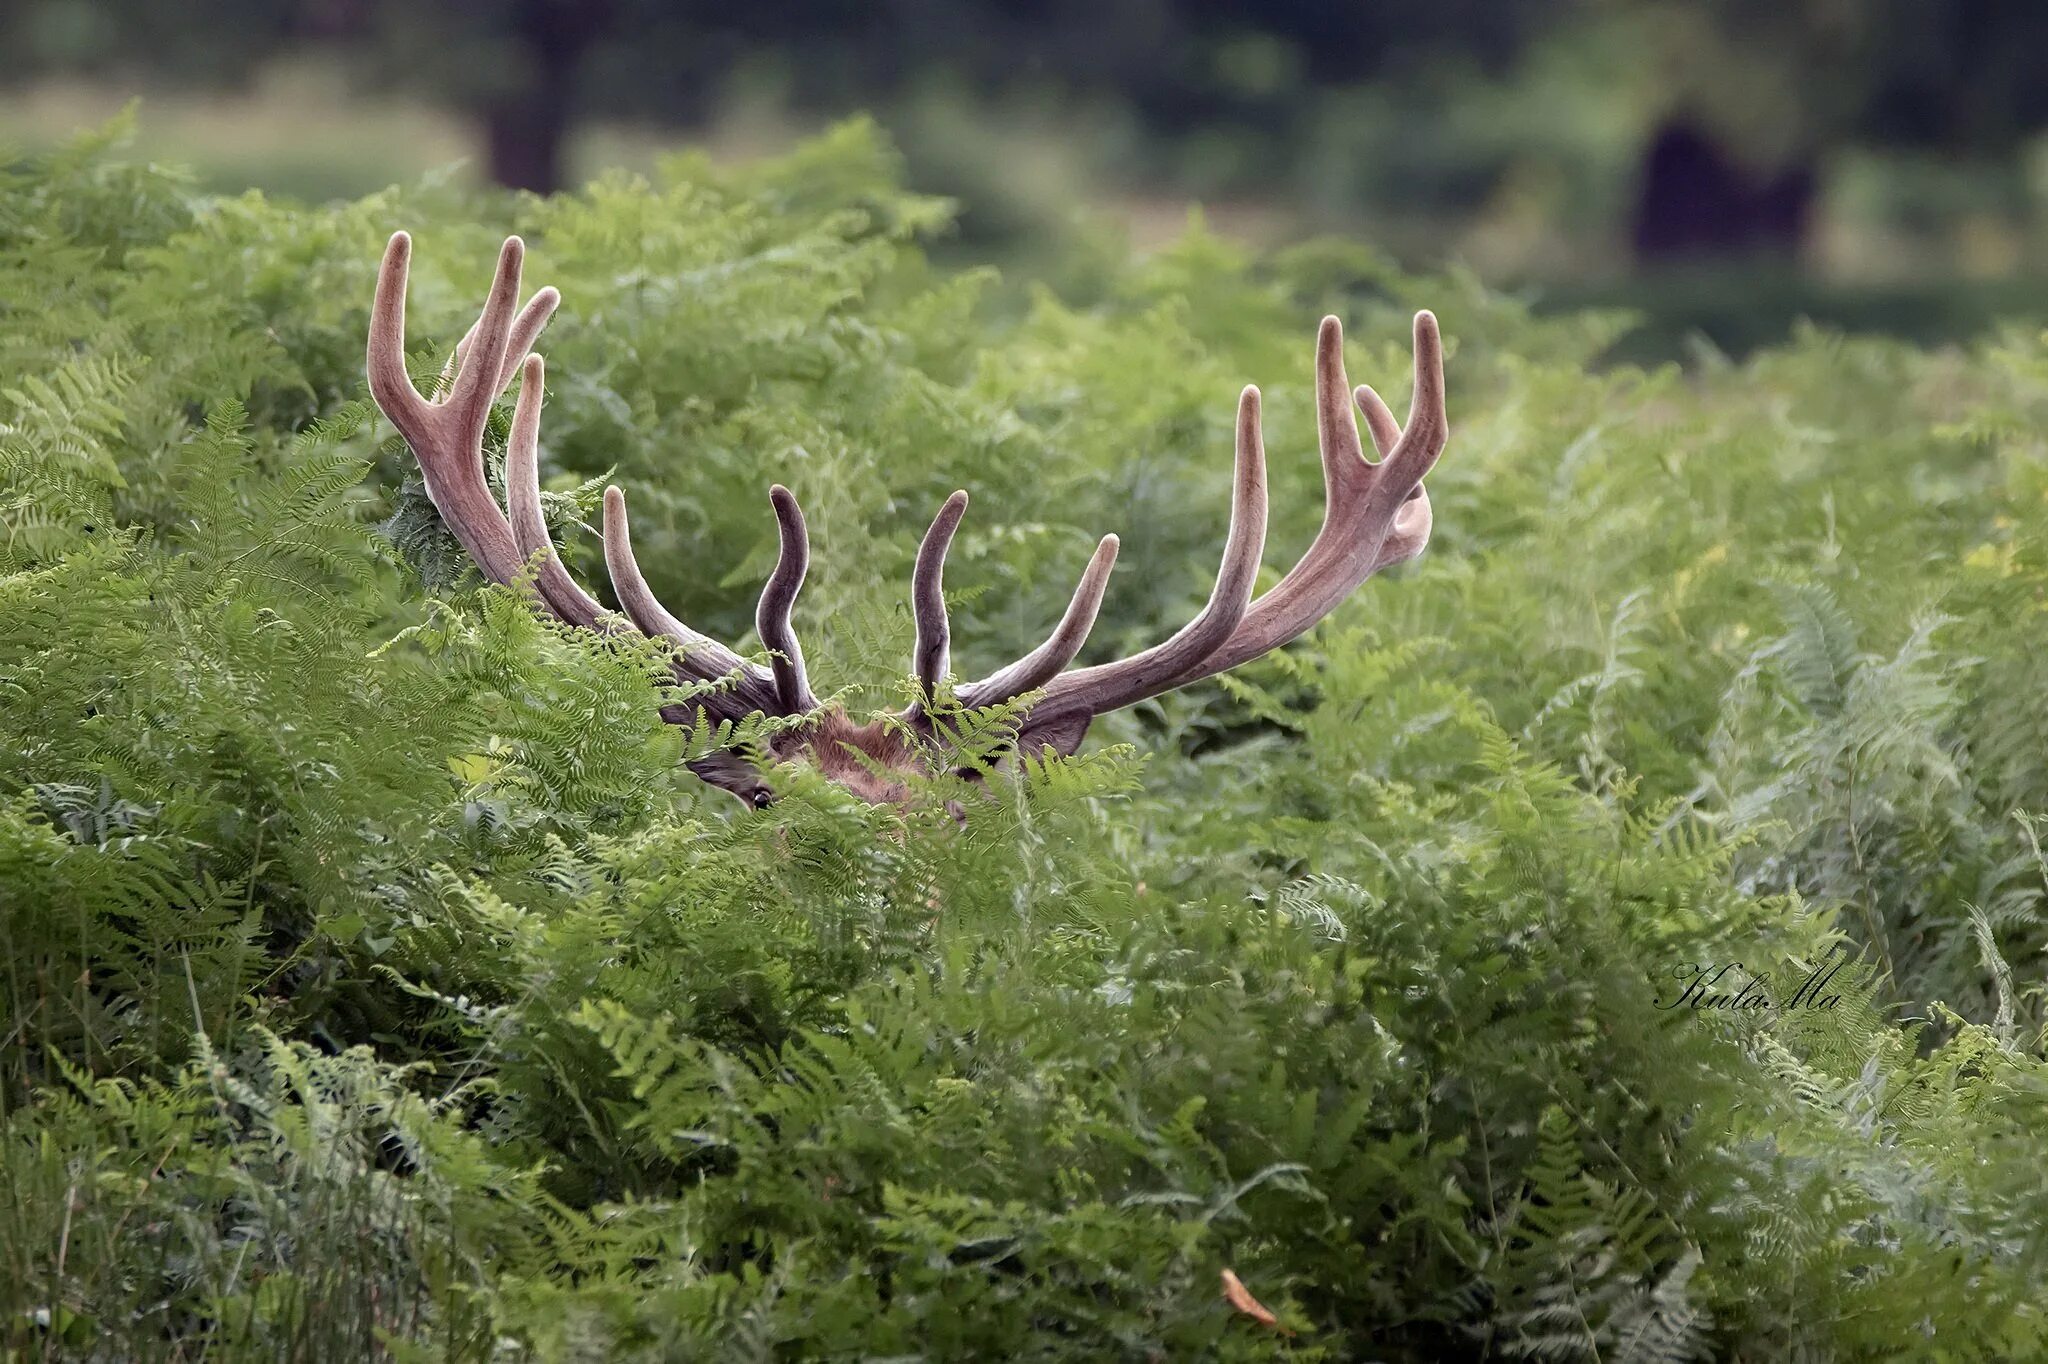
(1238, 1296)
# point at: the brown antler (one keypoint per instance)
(446, 434)
(1375, 514)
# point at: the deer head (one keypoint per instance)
(1375, 514)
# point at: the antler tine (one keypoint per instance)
(1379, 419)
(1422, 442)
(1345, 467)
(522, 503)
(482, 373)
(525, 331)
(1412, 522)
(1051, 658)
(778, 596)
(1410, 533)
(701, 657)
(928, 600)
(390, 385)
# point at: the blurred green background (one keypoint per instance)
(1723, 168)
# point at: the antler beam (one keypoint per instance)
(1375, 514)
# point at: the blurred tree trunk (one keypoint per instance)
(524, 135)
(526, 129)
(1697, 200)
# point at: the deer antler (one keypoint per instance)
(446, 434)
(1375, 514)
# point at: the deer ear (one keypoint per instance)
(1064, 735)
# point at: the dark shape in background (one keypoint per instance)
(1697, 202)
(1389, 120)
(527, 120)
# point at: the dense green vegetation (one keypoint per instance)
(373, 979)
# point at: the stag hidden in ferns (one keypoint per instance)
(1375, 514)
